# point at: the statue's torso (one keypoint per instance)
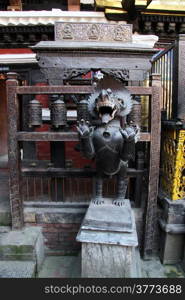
(108, 143)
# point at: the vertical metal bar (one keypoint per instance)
(139, 178)
(171, 83)
(71, 189)
(168, 85)
(58, 160)
(64, 188)
(27, 188)
(181, 77)
(34, 189)
(162, 66)
(49, 189)
(78, 192)
(165, 86)
(41, 187)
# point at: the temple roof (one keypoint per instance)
(144, 6)
(169, 5)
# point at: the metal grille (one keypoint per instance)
(73, 189)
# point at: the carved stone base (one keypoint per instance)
(109, 241)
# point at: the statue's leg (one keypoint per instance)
(122, 187)
(122, 184)
(98, 190)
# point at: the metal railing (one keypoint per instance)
(162, 64)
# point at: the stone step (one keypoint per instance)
(17, 269)
(4, 229)
(22, 245)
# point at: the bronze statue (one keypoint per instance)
(111, 145)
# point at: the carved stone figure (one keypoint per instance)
(111, 145)
(67, 32)
(118, 34)
(93, 32)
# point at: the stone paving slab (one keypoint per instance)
(154, 269)
(70, 267)
(17, 269)
(60, 267)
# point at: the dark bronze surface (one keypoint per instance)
(110, 145)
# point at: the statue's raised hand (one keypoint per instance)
(84, 129)
(131, 132)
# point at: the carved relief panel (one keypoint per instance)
(93, 32)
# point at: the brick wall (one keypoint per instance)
(60, 224)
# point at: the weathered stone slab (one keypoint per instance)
(17, 269)
(109, 217)
(54, 214)
(107, 237)
(171, 248)
(21, 245)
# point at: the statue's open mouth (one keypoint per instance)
(106, 113)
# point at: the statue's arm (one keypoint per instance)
(86, 134)
(130, 135)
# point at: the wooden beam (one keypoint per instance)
(15, 5)
(30, 90)
(73, 5)
(139, 90)
(151, 207)
(72, 172)
(62, 136)
(47, 136)
(33, 90)
(14, 153)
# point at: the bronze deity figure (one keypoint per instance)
(108, 143)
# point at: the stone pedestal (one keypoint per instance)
(172, 229)
(109, 240)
